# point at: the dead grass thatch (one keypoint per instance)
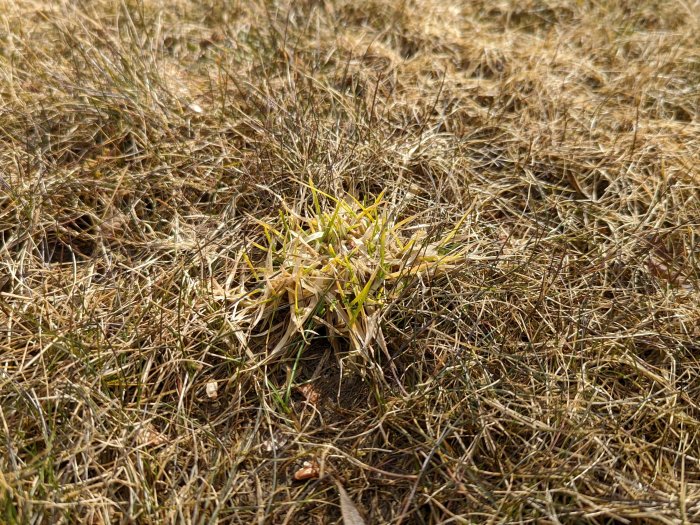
(438, 261)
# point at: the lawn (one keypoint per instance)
(380, 261)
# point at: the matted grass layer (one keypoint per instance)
(443, 254)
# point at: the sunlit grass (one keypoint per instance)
(341, 269)
(440, 256)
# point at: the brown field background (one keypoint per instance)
(443, 255)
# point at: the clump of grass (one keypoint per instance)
(339, 265)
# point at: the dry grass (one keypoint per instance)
(448, 252)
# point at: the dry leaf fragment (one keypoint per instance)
(274, 443)
(150, 436)
(212, 388)
(351, 516)
(309, 470)
(309, 393)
